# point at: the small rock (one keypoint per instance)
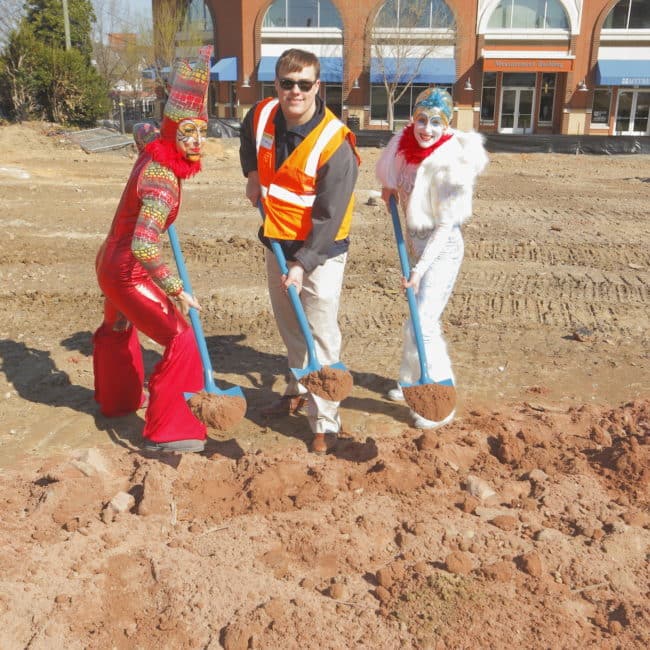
(383, 595)
(458, 563)
(549, 535)
(122, 502)
(531, 564)
(337, 591)
(384, 577)
(478, 487)
(582, 334)
(505, 522)
(538, 476)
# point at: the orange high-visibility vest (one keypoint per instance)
(288, 194)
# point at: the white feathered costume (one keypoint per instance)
(435, 196)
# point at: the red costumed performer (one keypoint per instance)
(141, 292)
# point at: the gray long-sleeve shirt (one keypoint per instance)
(335, 182)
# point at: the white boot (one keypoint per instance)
(395, 394)
(422, 423)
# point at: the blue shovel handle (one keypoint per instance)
(312, 360)
(210, 386)
(410, 294)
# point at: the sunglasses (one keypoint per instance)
(303, 84)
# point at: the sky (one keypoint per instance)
(123, 15)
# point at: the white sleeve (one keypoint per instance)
(387, 168)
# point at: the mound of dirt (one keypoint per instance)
(524, 523)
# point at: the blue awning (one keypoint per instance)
(429, 71)
(224, 69)
(623, 73)
(331, 69)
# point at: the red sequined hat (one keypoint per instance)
(188, 95)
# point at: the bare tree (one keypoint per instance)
(404, 34)
(171, 36)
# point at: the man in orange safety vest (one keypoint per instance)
(301, 164)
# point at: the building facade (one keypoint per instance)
(512, 66)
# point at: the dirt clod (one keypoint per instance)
(431, 401)
(220, 412)
(329, 383)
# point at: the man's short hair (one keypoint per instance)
(294, 60)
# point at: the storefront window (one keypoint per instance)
(629, 14)
(488, 96)
(547, 98)
(633, 112)
(403, 106)
(302, 13)
(529, 14)
(600, 107)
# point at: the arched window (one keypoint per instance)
(404, 14)
(629, 14)
(198, 16)
(302, 13)
(529, 14)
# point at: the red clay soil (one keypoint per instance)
(523, 524)
(431, 401)
(332, 384)
(220, 412)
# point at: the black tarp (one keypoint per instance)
(573, 144)
(223, 128)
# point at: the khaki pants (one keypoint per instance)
(320, 297)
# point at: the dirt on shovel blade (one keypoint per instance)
(217, 411)
(332, 384)
(431, 401)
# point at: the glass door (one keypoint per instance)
(516, 110)
(632, 112)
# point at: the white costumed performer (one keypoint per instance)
(431, 169)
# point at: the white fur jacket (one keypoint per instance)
(435, 194)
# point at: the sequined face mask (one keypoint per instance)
(190, 136)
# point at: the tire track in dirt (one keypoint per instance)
(612, 257)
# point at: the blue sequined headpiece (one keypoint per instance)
(434, 101)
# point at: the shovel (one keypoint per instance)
(333, 382)
(430, 399)
(217, 408)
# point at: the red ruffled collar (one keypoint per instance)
(164, 151)
(413, 153)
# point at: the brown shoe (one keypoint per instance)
(323, 443)
(286, 405)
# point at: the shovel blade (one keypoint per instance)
(235, 391)
(420, 382)
(299, 373)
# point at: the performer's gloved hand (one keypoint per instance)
(185, 301)
(386, 193)
(295, 276)
(413, 282)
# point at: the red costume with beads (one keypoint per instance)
(138, 286)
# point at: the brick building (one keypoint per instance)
(513, 66)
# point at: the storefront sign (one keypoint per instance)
(635, 81)
(527, 65)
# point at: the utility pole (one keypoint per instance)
(66, 25)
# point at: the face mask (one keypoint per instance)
(427, 129)
(190, 137)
